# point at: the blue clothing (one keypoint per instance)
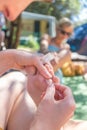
(58, 73)
(53, 48)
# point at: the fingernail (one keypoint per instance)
(49, 82)
(50, 76)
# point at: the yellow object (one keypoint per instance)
(68, 69)
(71, 69)
(79, 69)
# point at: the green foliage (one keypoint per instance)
(32, 43)
(78, 86)
(58, 9)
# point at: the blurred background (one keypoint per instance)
(39, 18)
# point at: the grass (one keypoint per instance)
(79, 89)
(23, 47)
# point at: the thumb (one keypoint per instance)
(50, 92)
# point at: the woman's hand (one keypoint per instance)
(53, 114)
(37, 85)
(16, 59)
(37, 61)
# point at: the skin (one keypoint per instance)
(20, 59)
(39, 87)
(53, 119)
(21, 111)
(11, 14)
(37, 92)
(12, 9)
(14, 102)
(39, 83)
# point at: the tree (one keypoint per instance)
(12, 40)
(58, 9)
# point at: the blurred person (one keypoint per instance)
(64, 29)
(44, 43)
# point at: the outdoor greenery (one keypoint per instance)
(58, 9)
(78, 86)
(32, 43)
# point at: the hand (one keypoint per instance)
(24, 60)
(53, 114)
(37, 85)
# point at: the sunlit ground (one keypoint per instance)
(79, 88)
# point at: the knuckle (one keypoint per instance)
(71, 105)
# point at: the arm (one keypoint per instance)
(14, 59)
(6, 61)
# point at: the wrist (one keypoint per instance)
(39, 125)
(8, 56)
(21, 58)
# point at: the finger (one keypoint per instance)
(49, 68)
(47, 71)
(56, 79)
(62, 92)
(65, 92)
(58, 95)
(43, 70)
(61, 88)
(42, 95)
(50, 92)
(48, 57)
(68, 98)
(32, 70)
